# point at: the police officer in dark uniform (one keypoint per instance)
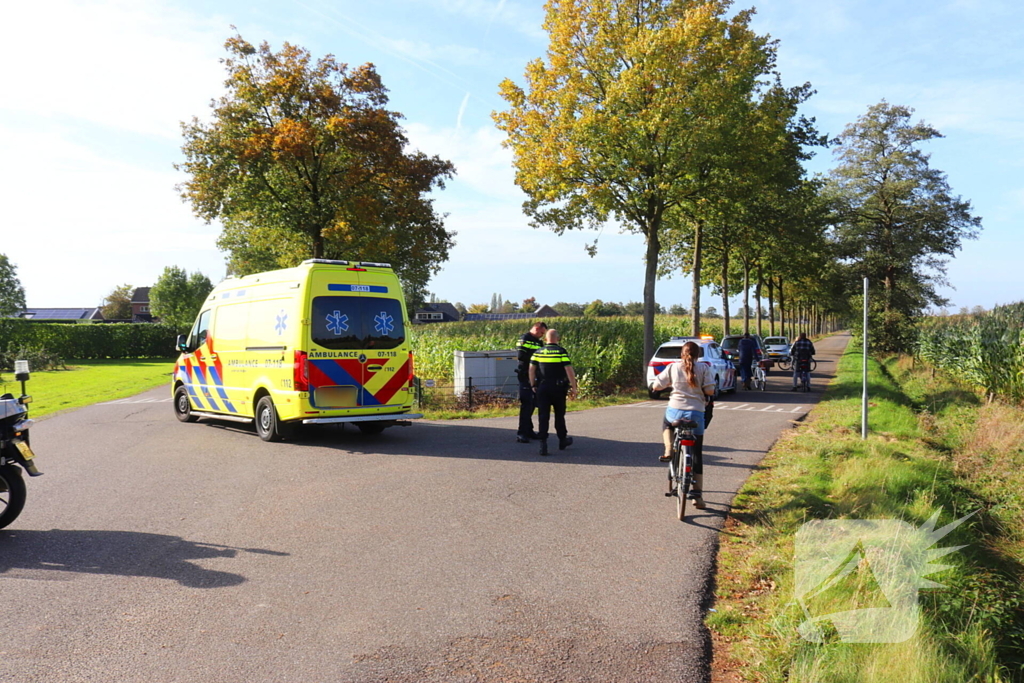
(552, 375)
(527, 345)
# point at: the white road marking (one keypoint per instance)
(141, 400)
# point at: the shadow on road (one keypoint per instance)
(120, 553)
(490, 442)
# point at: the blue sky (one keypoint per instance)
(93, 91)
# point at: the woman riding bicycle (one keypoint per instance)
(692, 385)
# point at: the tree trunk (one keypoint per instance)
(757, 298)
(771, 306)
(746, 294)
(650, 278)
(698, 234)
(725, 289)
(782, 309)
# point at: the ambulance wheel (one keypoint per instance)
(268, 426)
(182, 406)
(12, 494)
(370, 427)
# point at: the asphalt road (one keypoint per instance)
(164, 552)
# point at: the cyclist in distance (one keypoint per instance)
(801, 352)
(692, 386)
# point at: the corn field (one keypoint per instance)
(986, 349)
(607, 353)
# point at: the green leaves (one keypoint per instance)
(177, 297)
(301, 159)
(898, 218)
(637, 111)
(118, 304)
(12, 294)
(986, 349)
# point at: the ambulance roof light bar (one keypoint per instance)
(325, 261)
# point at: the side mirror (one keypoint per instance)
(182, 343)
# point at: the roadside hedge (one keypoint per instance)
(87, 341)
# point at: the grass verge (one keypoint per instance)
(934, 447)
(89, 381)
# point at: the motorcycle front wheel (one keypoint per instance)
(12, 494)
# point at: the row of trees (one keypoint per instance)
(669, 118)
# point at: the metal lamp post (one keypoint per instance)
(864, 397)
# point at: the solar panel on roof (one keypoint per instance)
(57, 313)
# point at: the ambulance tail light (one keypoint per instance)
(300, 373)
(412, 371)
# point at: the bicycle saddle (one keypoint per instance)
(684, 424)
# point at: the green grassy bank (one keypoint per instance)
(89, 381)
(935, 446)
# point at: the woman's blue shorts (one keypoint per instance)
(673, 414)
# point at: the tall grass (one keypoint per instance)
(986, 349)
(971, 629)
(610, 351)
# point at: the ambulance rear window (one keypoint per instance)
(355, 322)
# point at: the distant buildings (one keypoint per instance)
(140, 312)
(445, 312)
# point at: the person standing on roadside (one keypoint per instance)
(801, 352)
(748, 349)
(527, 345)
(552, 375)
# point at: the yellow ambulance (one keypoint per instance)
(321, 343)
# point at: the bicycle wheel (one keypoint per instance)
(784, 364)
(683, 486)
(814, 365)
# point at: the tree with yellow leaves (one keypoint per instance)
(304, 160)
(632, 115)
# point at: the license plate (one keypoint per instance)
(26, 452)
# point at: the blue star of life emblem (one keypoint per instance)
(337, 323)
(385, 323)
(281, 325)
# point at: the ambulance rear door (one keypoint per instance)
(358, 358)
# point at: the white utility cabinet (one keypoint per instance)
(491, 371)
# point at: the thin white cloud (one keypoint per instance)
(407, 51)
(524, 18)
(462, 111)
(484, 167)
(431, 54)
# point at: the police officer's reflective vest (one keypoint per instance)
(551, 362)
(525, 348)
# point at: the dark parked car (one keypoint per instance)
(731, 343)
